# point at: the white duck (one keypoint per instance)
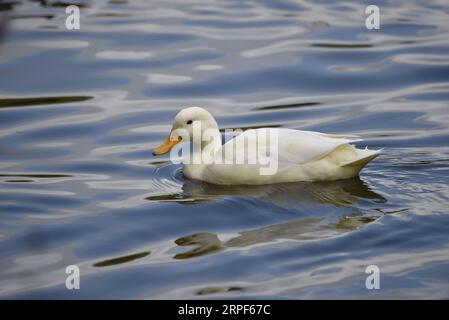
(297, 155)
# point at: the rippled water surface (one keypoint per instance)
(81, 110)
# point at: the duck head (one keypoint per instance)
(183, 128)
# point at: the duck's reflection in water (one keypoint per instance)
(344, 193)
(305, 229)
(339, 193)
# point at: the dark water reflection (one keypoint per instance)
(120, 260)
(337, 193)
(81, 110)
(35, 101)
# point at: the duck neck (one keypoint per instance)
(206, 146)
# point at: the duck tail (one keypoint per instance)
(363, 157)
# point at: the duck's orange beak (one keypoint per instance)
(167, 145)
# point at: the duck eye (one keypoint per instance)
(189, 122)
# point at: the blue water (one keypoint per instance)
(81, 110)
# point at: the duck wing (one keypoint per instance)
(287, 145)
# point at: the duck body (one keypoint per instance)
(302, 156)
(274, 155)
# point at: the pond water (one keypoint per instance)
(81, 110)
